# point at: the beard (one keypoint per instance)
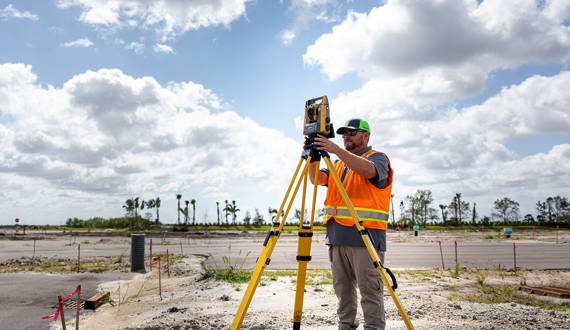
(353, 145)
(349, 145)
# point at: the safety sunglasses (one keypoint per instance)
(350, 132)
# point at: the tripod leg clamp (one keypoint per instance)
(269, 234)
(392, 276)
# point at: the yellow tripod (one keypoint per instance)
(310, 154)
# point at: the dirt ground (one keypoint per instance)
(431, 297)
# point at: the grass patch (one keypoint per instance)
(489, 236)
(85, 242)
(236, 275)
(452, 287)
(319, 277)
(67, 265)
(231, 275)
(508, 294)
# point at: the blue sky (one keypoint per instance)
(103, 102)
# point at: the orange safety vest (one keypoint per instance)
(371, 203)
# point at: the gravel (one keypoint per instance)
(190, 303)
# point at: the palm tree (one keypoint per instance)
(178, 196)
(549, 202)
(218, 208)
(193, 202)
(150, 204)
(458, 196)
(129, 206)
(232, 208)
(136, 205)
(226, 211)
(443, 213)
(186, 213)
(157, 205)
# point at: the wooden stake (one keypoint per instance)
(61, 312)
(159, 280)
(150, 254)
(181, 252)
(456, 261)
(78, 257)
(167, 263)
(77, 310)
(515, 255)
(34, 255)
(441, 253)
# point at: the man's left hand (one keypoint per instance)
(322, 143)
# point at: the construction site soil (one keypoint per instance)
(433, 300)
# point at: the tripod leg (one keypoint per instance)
(371, 250)
(303, 254)
(265, 256)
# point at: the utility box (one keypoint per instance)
(416, 229)
(507, 232)
(137, 253)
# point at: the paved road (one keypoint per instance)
(243, 251)
(26, 297)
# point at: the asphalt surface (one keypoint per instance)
(26, 297)
(243, 251)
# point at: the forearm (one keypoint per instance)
(357, 163)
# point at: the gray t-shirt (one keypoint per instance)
(342, 235)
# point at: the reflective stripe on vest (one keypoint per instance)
(364, 214)
(372, 204)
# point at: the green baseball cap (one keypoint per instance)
(354, 124)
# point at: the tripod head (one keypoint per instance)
(317, 121)
(310, 149)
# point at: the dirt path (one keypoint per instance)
(191, 303)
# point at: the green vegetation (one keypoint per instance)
(231, 275)
(67, 265)
(508, 294)
(418, 208)
(234, 275)
(133, 223)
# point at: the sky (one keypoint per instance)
(101, 101)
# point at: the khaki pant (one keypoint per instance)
(352, 266)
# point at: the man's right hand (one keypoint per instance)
(323, 143)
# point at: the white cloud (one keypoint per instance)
(168, 18)
(305, 11)
(105, 134)
(448, 38)
(467, 150)
(10, 12)
(164, 49)
(136, 47)
(79, 43)
(417, 57)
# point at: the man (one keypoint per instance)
(366, 175)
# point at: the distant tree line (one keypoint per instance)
(419, 209)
